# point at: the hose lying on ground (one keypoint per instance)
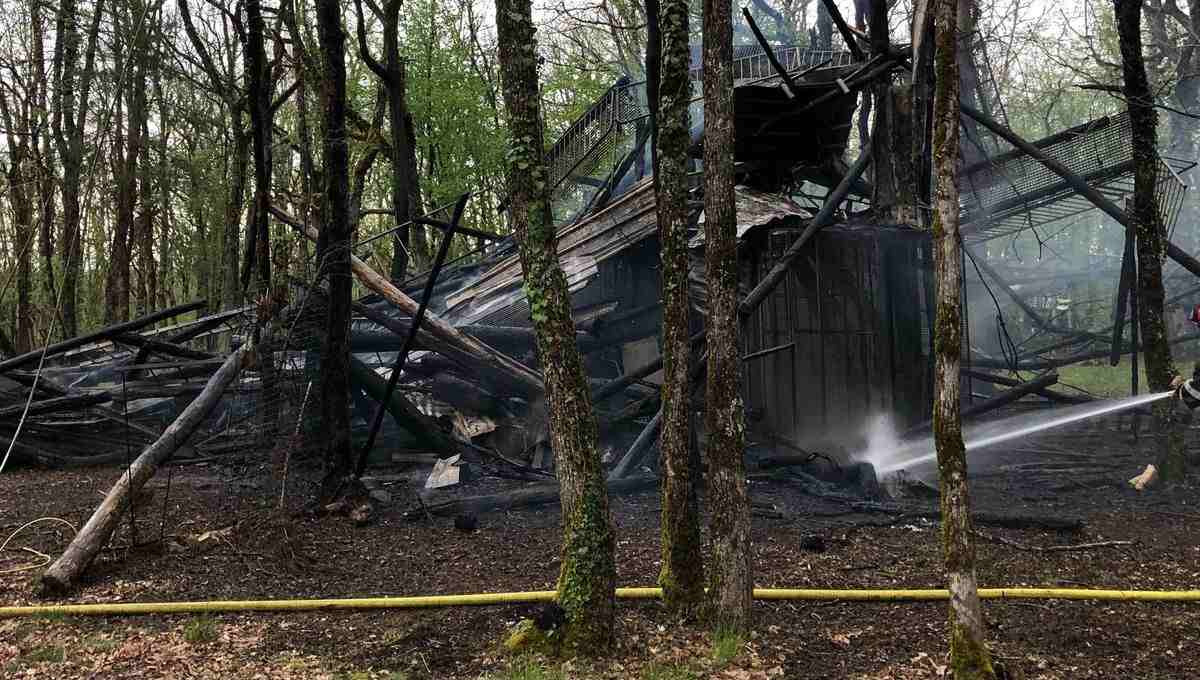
(535, 596)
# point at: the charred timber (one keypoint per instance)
(55, 405)
(541, 494)
(1051, 395)
(768, 283)
(106, 333)
(1003, 399)
(490, 363)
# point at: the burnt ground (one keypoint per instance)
(1077, 474)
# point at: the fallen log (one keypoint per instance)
(488, 361)
(160, 347)
(97, 336)
(530, 496)
(1049, 394)
(1004, 398)
(99, 528)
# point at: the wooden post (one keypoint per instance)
(95, 534)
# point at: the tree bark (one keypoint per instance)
(682, 573)
(73, 100)
(730, 569)
(333, 249)
(969, 656)
(1151, 237)
(588, 573)
(95, 534)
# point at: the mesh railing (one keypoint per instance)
(582, 159)
(1011, 191)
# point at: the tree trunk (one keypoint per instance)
(588, 572)
(682, 574)
(969, 656)
(730, 569)
(73, 96)
(333, 249)
(231, 293)
(1151, 236)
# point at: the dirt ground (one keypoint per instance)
(1077, 474)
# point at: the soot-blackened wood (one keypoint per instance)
(969, 657)
(160, 347)
(1051, 395)
(97, 336)
(730, 573)
(55, 405)
(844, 29)
(682, 573)
(825, 216)
(588, 572)
(1006, 397)
(1151, 235)
(419, 425)
(99, 528)
(409, 339)
(493, 365)
(541, 494)
(637, 451)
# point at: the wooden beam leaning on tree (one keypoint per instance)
(99, 528)
(494, 364)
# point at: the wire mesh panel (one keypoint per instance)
(1011, 191)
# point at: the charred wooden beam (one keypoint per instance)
(789, 84)
(160, 347)
(1051, 395)
(419, 425)
(488, 361)
(410, 338)
(844, 28)
(105, 333)
(541, 494)
(1002, 399)
(55, 405)
(1043, 364)
(1124, 286)
(768, 283)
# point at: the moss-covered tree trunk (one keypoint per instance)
(682, 575)
(730, 578)
(1151, 243)
(587, 577)
(969, 657)
(333, 249)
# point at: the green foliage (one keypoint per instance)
(726, 644)
(200, 630)
(47, 654)
(530, 668)
(660, 671)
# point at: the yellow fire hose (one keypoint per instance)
(534, 596)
